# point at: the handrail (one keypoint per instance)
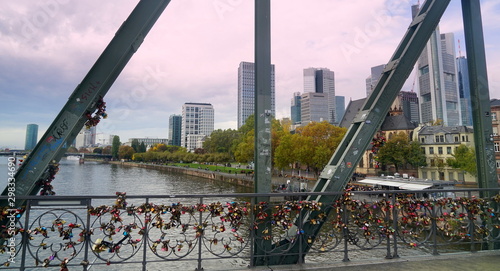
(150, 230)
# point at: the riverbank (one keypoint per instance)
(240, 179)
(236, 179)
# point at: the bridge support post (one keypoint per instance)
(263, 118)
(480, 97)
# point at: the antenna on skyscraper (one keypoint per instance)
(459, 50)
(414, 80)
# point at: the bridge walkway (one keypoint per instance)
(469, 261)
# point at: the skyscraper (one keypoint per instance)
(314, 107)
(464, 90)
(197, 123)
(372, 80)
(175, 129)
(409, 105)
(246, 91)
(31, 136)
(295, 108)
(339, 109)
(321, 80)
(438, 87)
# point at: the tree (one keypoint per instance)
(135, 144)
(221, 141)
(285, 152)
(126, 152)
(72, 150)
(248, 126)
(464, 158)
(245, 149)
(106, 150)
(316, 142)
(83, 150)
(199, 151)
(416, 157)
(398, 151)
(115, 146)
(142, 147)
(97, 150)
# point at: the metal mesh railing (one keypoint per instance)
(206, 231)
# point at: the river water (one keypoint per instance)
(94, 178)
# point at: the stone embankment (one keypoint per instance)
(237, 178)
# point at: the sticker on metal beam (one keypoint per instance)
(418, 19)
(361, 116)
(327, 173)
(391, 65)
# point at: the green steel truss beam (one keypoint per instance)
(337, 173)
(480, 95)
(262, 114)
(93, 87)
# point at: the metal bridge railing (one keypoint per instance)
(218, 232)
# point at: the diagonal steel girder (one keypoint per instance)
(84, 98)
(341, 166)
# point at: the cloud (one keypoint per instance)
(192, 54)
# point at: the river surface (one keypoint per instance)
(94, 178)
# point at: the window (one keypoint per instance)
(422, 139)
(497, 147)
(498, 164)
(431, 150)
(433, 163)
(440, 150)
(493, 116)
(439, 138)
(423, 150)
(448, 150)
(451, 176)
(456, 139)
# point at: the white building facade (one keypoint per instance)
(197, 123)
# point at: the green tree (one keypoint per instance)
(245, 149)
(115, 146)
(173, 148)
(126, 152)
(285, 152)
(416, 157)
(135, 144)
(142, 147)
(97, 150)
(221, 141)
(398, 151)
(464, 158)
(316, 142)
(248, 126)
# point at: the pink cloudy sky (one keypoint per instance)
(192, 54)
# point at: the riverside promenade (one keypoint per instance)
(467, 261)
(236, 178)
